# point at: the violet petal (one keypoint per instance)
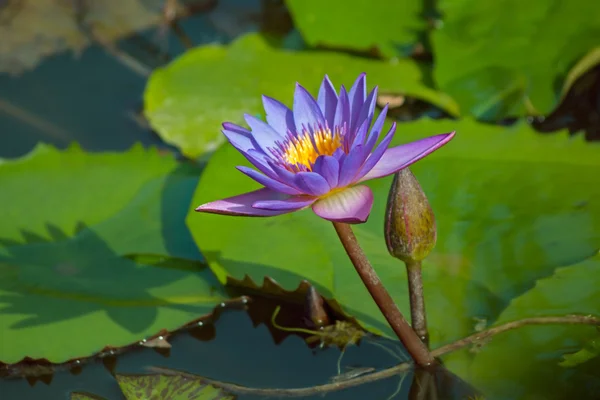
(327, 100)
(350, 166)
(239, 137)
(279, 116)
(241, 205)
(268, 182)
(352, 205)
(342, 111)
(357, 95)
(396, 158)
(368, 109)
(262, 132)
(329, 168)
(376, 155)
(311, 183)
(261, 161)
(290, 204)
(376, 130)
(306, 111)
(361, 134)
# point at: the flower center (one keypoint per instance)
(303, 151)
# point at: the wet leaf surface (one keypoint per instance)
(510, 66)
(391, 27)
(187, 101)
(573, 289)
(511, 206)
(66, 265)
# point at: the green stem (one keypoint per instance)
(384, 301)
(417, 300)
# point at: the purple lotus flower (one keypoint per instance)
(317, 155)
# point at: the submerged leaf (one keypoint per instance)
(590, 351)
(33, 29)
(168, 387)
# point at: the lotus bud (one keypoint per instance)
(410, 231)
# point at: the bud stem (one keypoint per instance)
(389, 309)
(417, 300)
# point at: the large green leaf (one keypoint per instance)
(539, 349)
(494, 57)
(391, 26)
(163, 387)
(66, 288)
(187, 101)
(511, 207)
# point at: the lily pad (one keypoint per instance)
(511, 206)
(391, 26)
(572, 289)
(67, 289)
(505, 58)
(163, 387)
(187, 101)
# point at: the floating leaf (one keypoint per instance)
(187, 101)
(392, 27)
(570, 290)
(511, 207)
(508, 61)
(168, 387)
(66, 288)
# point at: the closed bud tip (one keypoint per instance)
(410, 231)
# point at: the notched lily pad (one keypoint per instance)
(168, 387)
(72, 223)
(338, 329)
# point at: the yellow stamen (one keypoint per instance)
(302, 150)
